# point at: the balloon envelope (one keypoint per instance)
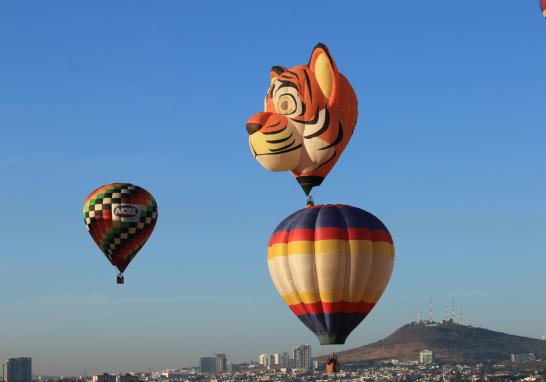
(330, 264)
(120, 218)
(309, 116)
(543, 7)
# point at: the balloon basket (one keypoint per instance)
(120, 279)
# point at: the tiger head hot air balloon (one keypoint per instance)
(120, 218)
(309, 115)
(330, 264)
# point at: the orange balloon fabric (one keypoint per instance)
(309, 116)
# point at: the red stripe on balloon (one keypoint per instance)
(367, 234)
(318, 234)
(332, 307)
(305, 234)
(279, 238)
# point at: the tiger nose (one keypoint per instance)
(251, 128)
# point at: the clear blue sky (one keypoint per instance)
(448, 153)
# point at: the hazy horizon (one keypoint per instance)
(448, 152)
(322, 351)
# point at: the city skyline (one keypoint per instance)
(19, 369)
(300, 357)
(447, 152)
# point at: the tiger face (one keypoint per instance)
(309, 115)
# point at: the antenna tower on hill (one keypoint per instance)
(430, 309)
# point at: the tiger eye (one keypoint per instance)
(286, 104)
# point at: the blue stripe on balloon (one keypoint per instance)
(287, 223)
(357, 218)
(330, 216)
(342, 323)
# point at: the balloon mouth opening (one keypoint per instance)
(329, 338)
(308, 182)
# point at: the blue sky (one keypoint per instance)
(448, 153)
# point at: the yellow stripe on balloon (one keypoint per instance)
(382, 248)
(294, 247)
(329, 297)
(364, 247)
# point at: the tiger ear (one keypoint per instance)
(326, 74)
(276, 71)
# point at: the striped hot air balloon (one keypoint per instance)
(330, 264)
(120, 217)
(543, 7)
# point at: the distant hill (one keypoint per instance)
(448, 341)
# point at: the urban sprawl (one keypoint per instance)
(299, 367)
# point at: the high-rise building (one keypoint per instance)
(207, 365)
(271, 360)
(285, 359)
(104, 378)
(18, 370)
(221, 363)
(275, 359)
(426, 357)
(302, 357)
(263, 359)
(126, 378)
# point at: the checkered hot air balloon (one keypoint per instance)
(120, 218)
(330, 264)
